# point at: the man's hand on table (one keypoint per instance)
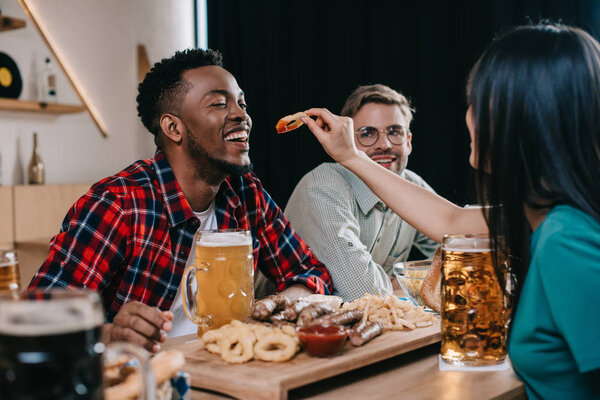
(140, 324)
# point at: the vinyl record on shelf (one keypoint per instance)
(10, 77)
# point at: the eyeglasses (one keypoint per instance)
(368, 135)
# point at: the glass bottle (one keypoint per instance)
(36, 165)
(49, 82)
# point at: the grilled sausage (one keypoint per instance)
(312, 312)
(364, 331)
(292, 311)
(342, 317)
(264, 308)
(278, 318)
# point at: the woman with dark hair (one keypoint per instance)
(534, 120)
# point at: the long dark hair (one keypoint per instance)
(535, 97)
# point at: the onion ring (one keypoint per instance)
(236, 348)
(275, 347)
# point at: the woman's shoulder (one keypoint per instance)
(567, 232)
(568, 219)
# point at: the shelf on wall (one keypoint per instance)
(8, 23)
(40, 107)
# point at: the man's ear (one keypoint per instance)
(172, 127)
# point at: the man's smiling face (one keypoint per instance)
(217, 124)
(383, 116)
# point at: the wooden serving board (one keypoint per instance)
(266, 380)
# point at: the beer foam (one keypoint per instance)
(58, 316)
(224, 239)
(468, 249)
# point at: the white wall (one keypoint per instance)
(98, 40)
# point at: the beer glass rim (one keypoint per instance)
(467, 241)
(56, 310)
(235, 231)
(467, 235)
(5, 257)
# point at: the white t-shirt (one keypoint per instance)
(181, 323)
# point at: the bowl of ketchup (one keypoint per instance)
(322, 341)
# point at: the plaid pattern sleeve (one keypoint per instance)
(90, 247)
(279, 252)
(128, 238)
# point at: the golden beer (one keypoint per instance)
(474, 315)
(9, 271)
(224, 279)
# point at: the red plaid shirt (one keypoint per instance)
(130, 235)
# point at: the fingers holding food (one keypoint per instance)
(263, 309)
(142, 325)
(290, 122)
(334, 132)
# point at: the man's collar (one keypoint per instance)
(365, 197)
(178, 208)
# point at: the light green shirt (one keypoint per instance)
(351, 231)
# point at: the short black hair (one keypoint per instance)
(162, 90)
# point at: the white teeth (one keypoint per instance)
(237, 135)
(384, 161)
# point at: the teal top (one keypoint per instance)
(555, 341)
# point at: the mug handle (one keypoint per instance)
(189, 298)
(131, 387)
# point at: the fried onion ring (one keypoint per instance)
(236, 348)
(275, 347)
(213, 348)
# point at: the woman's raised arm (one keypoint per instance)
(426, 211)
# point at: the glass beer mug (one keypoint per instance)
(9, 271)
(475, 304)
(219, 286)
(51, 348)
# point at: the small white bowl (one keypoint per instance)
(333, 301)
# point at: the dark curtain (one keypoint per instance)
(289, 55)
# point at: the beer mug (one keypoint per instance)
(9, 271)
(475, 309)
(51, 348)
(218, 287)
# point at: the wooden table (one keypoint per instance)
(414, 375)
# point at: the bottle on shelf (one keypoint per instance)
(48, 82)
(36, 165)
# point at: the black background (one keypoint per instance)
(290, 55)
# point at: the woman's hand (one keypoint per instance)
(335, 133)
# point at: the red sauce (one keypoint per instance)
(322, 341)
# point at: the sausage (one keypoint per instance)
(312, 312)
(292, 311)
(264, 308)
(431, 290)
(278, 317)
(342, 317)
(364, 331)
